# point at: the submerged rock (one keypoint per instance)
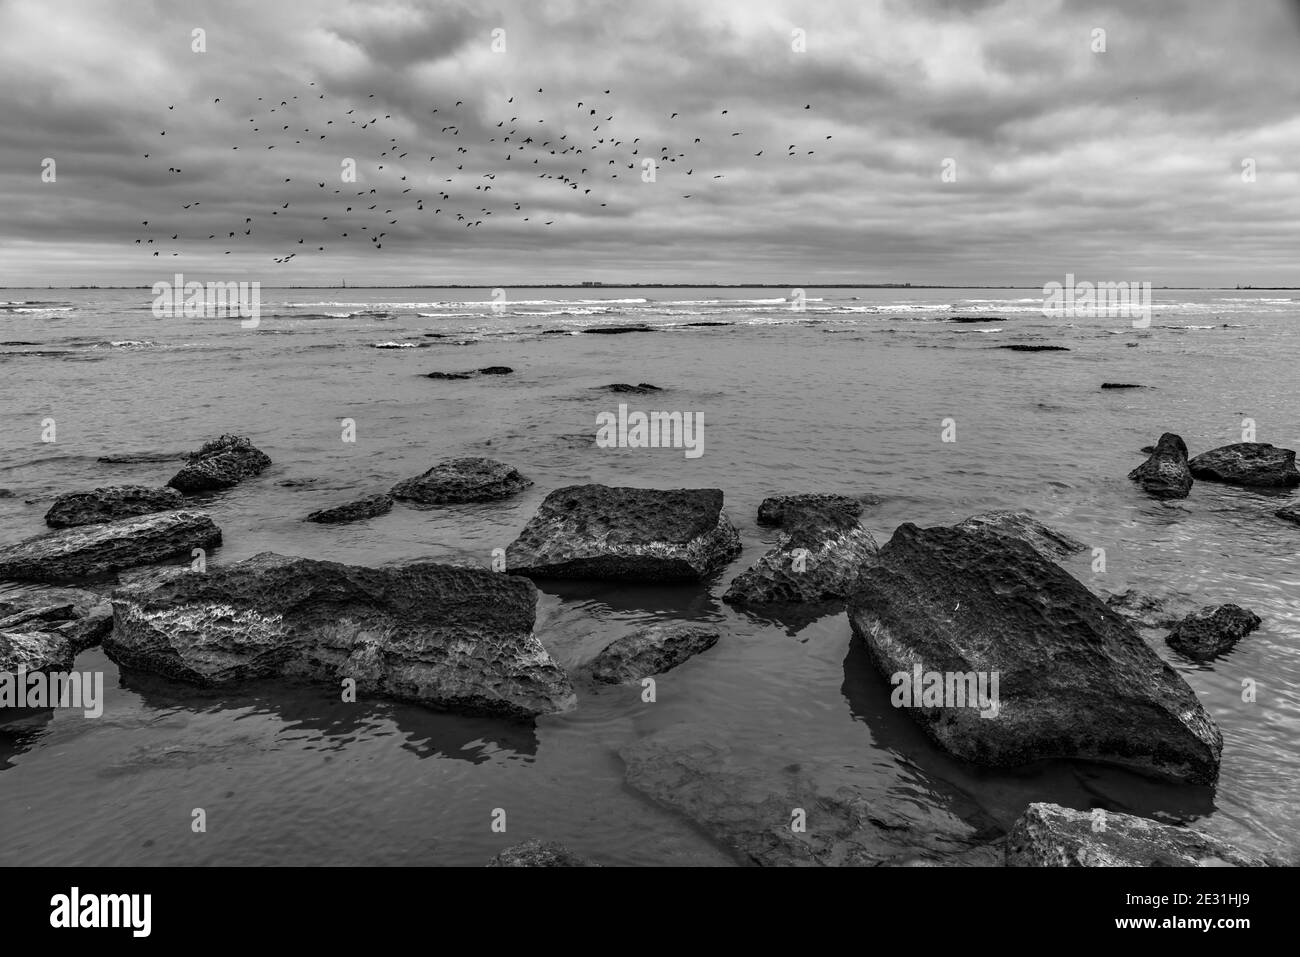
(775, 509)
(615, 330)
(1247, 463)
(1212, 630)
(1121, 385)
(367, 507)
(458, 639)
(1166, 473)
(1073, 678)
(222, 463)
(969, 319)
(89, 550)
(469, 479)
(110, 504)
(1021, 347)
(447, 375)
(1141, 609)
(1291, 513)
(651, 651)
(819, 558)
(642, 388)
(747, 808)
(640, 534)
(1020, 525)
(496, 370)
(1048, 835)
(539, 854)
(142, 458)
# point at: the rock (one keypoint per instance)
(774, 509)
(367, 507)
(142, 458)
(90, 550)
(496, 370)
(6, 493)
(1291, 513)
(624, 388)
(458, 639)
(1247, 463)
(447, 375)
(1166, 473)
(34, 651)
(651, 651)
(1048, 835)
(746, 807)
(616, 330)
(469, 479)
(1141, 609)
(975, 319)
(819, 558)
(1212, 630)
(1147, 449)
(1121, 385)
(1075, 680)
(639, 534)
(689, 324)
(81, 617)
(221, 463)
(1051, 543)
(110, 504)
(1020, 347)
(539, 854)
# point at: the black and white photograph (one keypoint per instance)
(680, 434)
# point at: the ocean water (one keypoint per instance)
(848, 396)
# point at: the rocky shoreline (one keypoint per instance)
(1071, 676)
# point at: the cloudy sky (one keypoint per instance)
(1127, 163)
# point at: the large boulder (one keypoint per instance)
(90, 550)
(639, 534)
(222, 463)
(1073, 678)
(453, 638)
(1247, 463)
(651, 651)
(1166, 473)
(748, 801)
(1212, 630)
(1049, 541)
(820, 556)
(111, 504)
(367, 507)
(1048, 835)
(468, 479)
(539, 854)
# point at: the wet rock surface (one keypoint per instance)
(540, 854)
(363, 508)
(1212, 630)
(1247, 463)
(651, 651)
(604, 532)
(1075, 680)
(222, 463)
(1166, 473)
(447, 637)
(110, 504)
(1048, 541)
(460, 480)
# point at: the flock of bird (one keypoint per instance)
(459, 183)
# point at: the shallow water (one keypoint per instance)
(848, 396)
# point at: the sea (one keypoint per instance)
(870, 392)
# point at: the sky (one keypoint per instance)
(929, 141)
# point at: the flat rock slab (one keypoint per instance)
(1212, 630)
(539, 854)
(1247, 463)
(34, 651)
(460, 480)
(651, 651)
(367, 507)
(91, 550)
(1019, 347)
(222, 463)
(1075, 680)
(110, 504)
(625, 388)
(457, 639)
(637, 534)
(81, 617)
(1048, 835)
(777, 509)
(1166, 474)
(749, 809)
(1020, 525)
